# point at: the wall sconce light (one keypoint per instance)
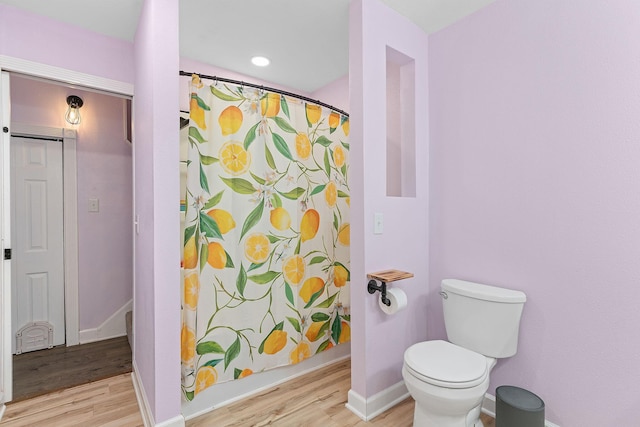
(73, 112)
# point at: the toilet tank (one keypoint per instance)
(482, 318)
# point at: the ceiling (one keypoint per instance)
(306, 40)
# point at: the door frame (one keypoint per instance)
(37, 69)
(70, 215)
(6, 363)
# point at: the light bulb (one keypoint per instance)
(73, 112)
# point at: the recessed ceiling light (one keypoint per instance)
(260, 61)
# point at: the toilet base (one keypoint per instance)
(442, 407)
(422, 418)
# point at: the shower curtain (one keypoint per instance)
(266, 234)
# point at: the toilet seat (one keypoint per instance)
(444, 364)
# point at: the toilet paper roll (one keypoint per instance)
(398, 301)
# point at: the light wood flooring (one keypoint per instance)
(110, 402)
(315, 399)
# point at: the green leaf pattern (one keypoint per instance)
(266, 234)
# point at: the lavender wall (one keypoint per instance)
(335, 93)
(24, 35)
(156, 157)
(378, 340)
(154, 56)
(192, 66)
(36, 38)
(535, 134)
(143, 300)
(105, 265)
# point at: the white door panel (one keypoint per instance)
(38, 272)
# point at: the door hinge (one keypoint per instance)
(7, 253)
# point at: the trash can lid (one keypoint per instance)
(519, 398)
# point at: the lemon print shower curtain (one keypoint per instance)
(266, 235)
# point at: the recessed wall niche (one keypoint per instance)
(401, 125)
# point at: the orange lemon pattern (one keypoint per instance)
(266, 233)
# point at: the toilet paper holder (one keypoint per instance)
(385, 277)
(372, 287)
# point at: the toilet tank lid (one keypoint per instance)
(483, 292)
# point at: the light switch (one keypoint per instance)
(377, 223)
(94, 205)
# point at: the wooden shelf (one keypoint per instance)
(387, 276)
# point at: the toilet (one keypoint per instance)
(448, 379)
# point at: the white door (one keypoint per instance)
(38, 248)
(6, 367)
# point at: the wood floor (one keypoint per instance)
(315, 399)
(44, 371)
(111, 402)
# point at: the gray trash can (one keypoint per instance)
(517, 407)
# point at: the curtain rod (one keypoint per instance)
(270, 89)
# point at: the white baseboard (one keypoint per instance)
(115, 326)
(357, 404)
(489, 405)
(489, 408)
(368, 409)
(143, 403)
(145, 410)
(177, 421)
(3, 407)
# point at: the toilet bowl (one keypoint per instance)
(447, 382)
(448, 379)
